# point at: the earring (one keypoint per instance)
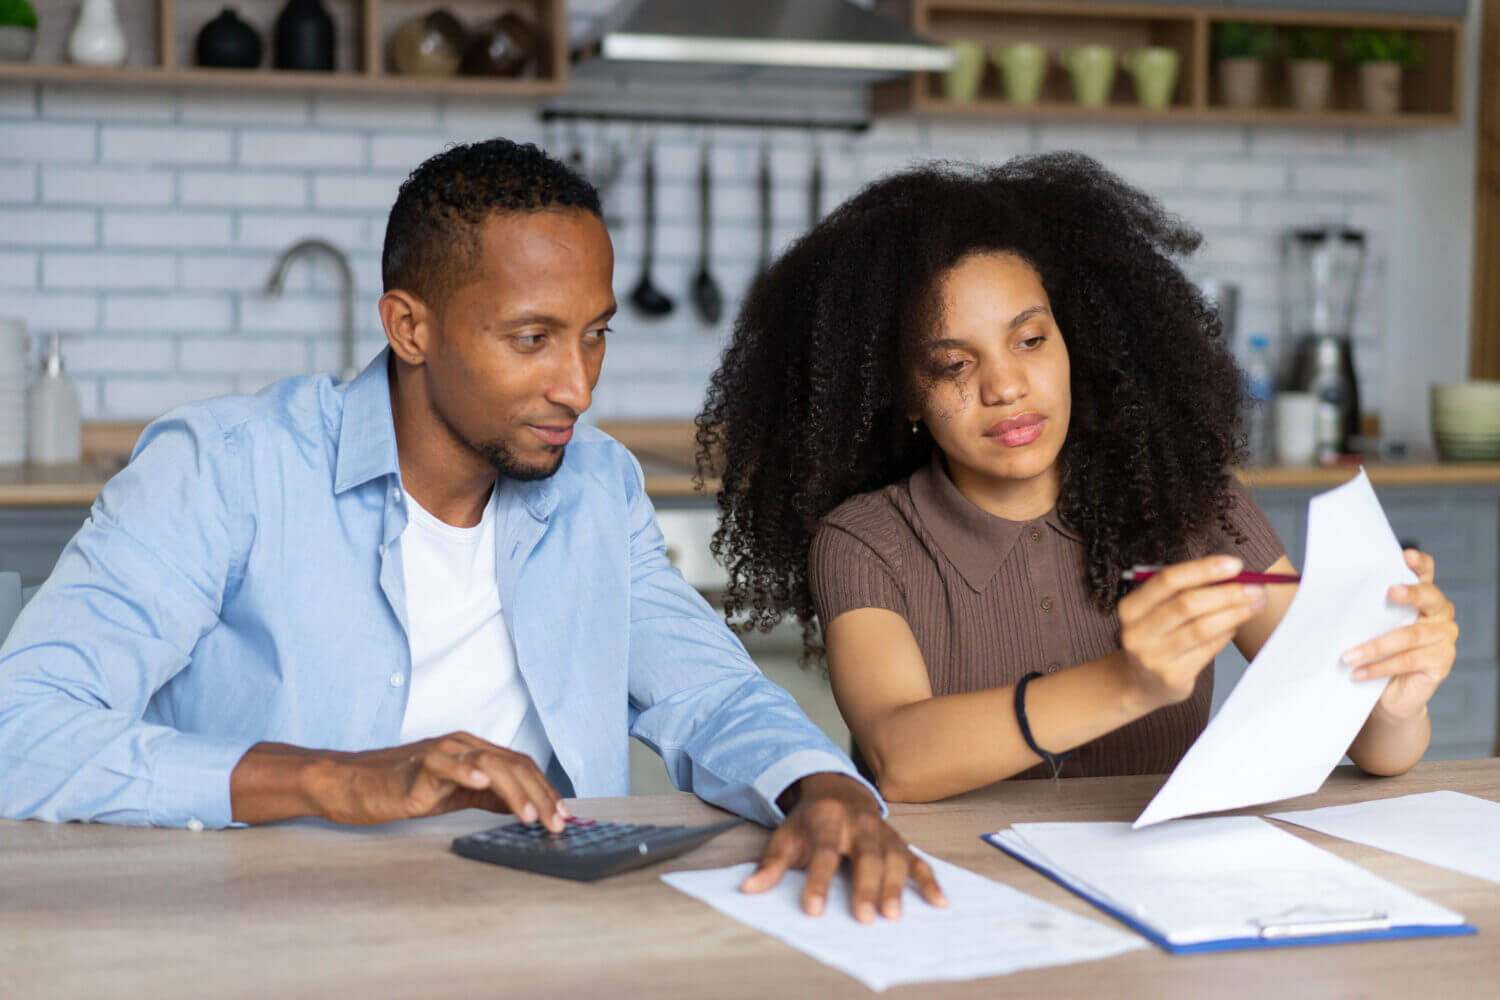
(916, 428)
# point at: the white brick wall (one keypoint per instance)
(143, 225)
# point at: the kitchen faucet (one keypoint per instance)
(307, 247)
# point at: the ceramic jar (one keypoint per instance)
(304, 37)
(98, 39)
(229, 43)
(507, 46)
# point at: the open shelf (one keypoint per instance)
(162, 35)
(1430, 93)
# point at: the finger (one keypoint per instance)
(893, 878)
(536, 786)
(784, 851)
(1160, 628)
(927, 883)
(1422, 564)
(1423, 632)
(866, 864)
(434, 781)
(820, 872)
(1433, 660)
(510, 790)
(1174, 580)
(1425, 597)
(1188, 664)
(1209, 628)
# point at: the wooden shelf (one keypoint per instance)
(162, 34)
(1431, 94)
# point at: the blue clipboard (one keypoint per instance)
(1339, 931)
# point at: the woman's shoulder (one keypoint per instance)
(879, 521)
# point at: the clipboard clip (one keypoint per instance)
(1309, 921)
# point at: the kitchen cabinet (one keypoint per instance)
(162, 35)
(1430, 92)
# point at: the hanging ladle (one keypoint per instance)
(706, 295)
(647, 297)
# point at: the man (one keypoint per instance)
(322, 601)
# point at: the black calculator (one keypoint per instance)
(586, 849)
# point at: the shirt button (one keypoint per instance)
(1047, 604)
(397, 680)
(195, 824)
(1052, 668)
(1036, 533)
(396, 496)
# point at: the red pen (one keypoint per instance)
(1138, 574)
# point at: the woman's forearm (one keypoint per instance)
(1390, 745)
(943, 746)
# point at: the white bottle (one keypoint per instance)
(53, 427)
(97, 38)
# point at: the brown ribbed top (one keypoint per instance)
(989, 600)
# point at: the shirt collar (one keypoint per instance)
(975, 541)
(367, 431)
(367, 442)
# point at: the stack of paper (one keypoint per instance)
(1217, 884)
(987, 929)
(1295, 711)
(1447, 829)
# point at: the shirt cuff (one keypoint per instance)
(190, 781)
(784, 773)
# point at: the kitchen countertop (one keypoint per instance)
(665, 450)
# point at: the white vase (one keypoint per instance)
(97, 38)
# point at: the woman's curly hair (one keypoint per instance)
(808, 406)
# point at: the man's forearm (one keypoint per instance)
(276, 781)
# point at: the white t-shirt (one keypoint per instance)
(463, 661)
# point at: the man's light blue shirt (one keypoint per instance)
(240, 581)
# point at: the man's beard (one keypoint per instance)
(511, 467)
(504, 460)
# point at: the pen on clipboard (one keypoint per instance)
(1139, 574)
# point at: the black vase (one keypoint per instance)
(304, 36)
(226, 42)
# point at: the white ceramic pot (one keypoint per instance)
(97, 38)
(1380, 87)
(1311, 83)
(1241, 82)
(16, 43)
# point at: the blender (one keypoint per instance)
(1321, 272)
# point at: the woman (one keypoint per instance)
(950, 416)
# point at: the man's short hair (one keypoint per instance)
(432, 235)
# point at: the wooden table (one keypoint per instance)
(307, 909)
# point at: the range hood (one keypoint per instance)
(824, 41)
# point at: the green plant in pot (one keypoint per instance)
(1240, 53)
(1381, 55)
(1310, 67)
(17, 30)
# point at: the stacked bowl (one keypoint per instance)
(12, 391)
(1466, 421)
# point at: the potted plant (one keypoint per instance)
(1240, 52)
(1381, 55)
(1310, 67)
(17, 30)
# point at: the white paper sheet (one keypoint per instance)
(987, 928)
(1289, 720)
(1217, 879)
(1448, 829)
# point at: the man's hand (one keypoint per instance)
(835, 817)
(457, 771)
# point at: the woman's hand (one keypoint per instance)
(1174, 624)
(1416, 658)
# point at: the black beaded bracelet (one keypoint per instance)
(1054, 759)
